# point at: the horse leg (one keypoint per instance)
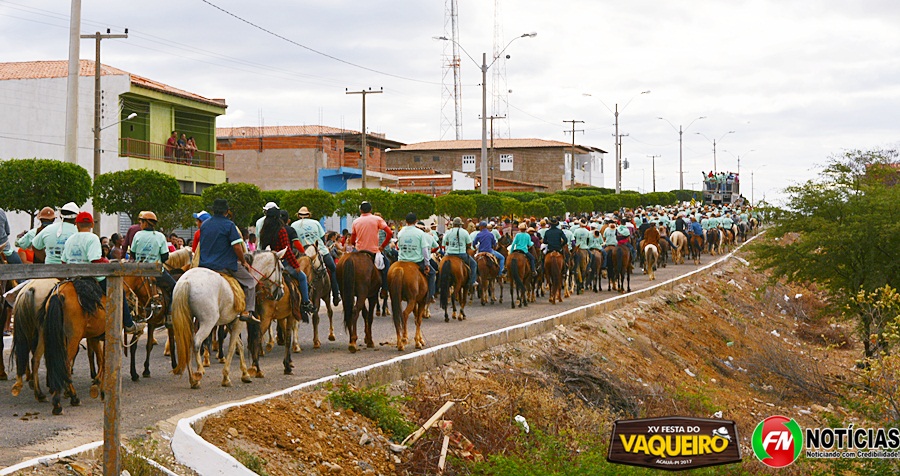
(271, 343)
(220, 341)
(462, 304)
(330, 319)
(232, 345)
(96, 383)
(351, 327)
(71, 351)
(315, 324)
(150, 344)
(134, 375)
(295, 329)
(370, 319)
(420, 339)
(288, 347)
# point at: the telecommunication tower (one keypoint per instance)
(451, 87)
(499, 89)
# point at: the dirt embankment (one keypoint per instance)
(724, 342)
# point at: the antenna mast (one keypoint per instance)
(451, 92)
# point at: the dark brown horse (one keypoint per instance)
(454, 273)
(581, 261)
(75, 310)
(407, 283)
(596, 273)
(695, 245)
(713, 239)
(488, 272)
(618, 267)
(519, 270)
(148, 305)
(360, 281)
(553, 269)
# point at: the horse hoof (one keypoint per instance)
(95, 391)
(41, 398)
(134, 378)
(57, 410)
(400, 348)
(221, 361)
(259, 374)
(3, 376)
(288, 371)
(269, 348)
(226, 383)
(16, 389)
(331, 337)
(351, 348)
(446, 319)
(246, 379)
(75, 401)
(146, 374)
(316, 345)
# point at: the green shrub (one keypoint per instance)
(251, 461)
(376, 405)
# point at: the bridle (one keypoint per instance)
(267, 280)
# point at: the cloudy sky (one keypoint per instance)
(796, 80)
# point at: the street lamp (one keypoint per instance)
(738, 157)
(680, 149)
(484, 68)
(752, 185)
(715, 167)
(618, 138)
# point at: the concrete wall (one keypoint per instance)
(274, 169)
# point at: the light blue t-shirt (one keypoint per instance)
(413, 244)
(311, 231)
(53, 239)
(456, 240)
(149, 246)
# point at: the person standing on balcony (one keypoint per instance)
(171, 143)
(190, 149)
(181, 147)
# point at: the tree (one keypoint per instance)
(420, 204)
(132, 191)
(453, 205)
(244, 199)
(585, 205)
(321, 204)
(349, 200)
(570, 202)
(487, 206)
(32, 184)
(555, 208)
(182, 216)
(535, 209)
(840, 231)
(511, 207)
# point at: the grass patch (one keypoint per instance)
(376, 405)
(133, 459)
(697, 403)
(251, 461)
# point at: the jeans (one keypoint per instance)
(500, 259)
(127, 320)
(300, 276)
(384, 272)
(14, 258)
(431, 280)
(329, 263)
(167, 284)
(473, 266)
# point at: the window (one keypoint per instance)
(506, 162)
(435, 158)
(417, 158)
(468, 163)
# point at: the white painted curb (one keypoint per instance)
(50, 458)
(209, 460)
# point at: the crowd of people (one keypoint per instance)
(221, 245)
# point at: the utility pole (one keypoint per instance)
(573, 121)
(97, 67)
(654, 169)
(364, 153)
(71, 149)
(618, 146)
(491, 155)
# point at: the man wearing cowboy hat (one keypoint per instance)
(457, 243)
(222, 249)
(149, 246)
(53, 237)
(84, 247)
(46, 217)
(310, 233)
(522, 243)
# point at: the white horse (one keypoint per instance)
(651, 257)
(206, 296)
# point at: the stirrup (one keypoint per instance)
(249, 317)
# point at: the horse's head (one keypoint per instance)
(268, 265)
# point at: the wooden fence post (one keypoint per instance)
(112, 379)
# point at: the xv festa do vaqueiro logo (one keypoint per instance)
(674, 443)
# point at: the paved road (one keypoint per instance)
(148, 401)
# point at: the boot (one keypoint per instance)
(296, 309)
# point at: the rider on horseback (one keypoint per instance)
(149, 246)
(311, 232)
(522, 243)
(46, 216)
(274, 235)
(554, 238)
(456, 243)
(84, 247)
(415, 247)
(54, 236)
(365, 236)
(486, 242)
(222, 248)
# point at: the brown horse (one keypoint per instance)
(663, 247)
(282, 313)
(407, 283)
(75, 310)
(695, 245)
(621, 262)
(360, 281)
(519, 271)
(537, 285)
(596, 274)
(28, 339)
(147, 305)
(488, 272)
(454, 272)
(581, 264)
(319, 290)
(553, 269)
(713, 241)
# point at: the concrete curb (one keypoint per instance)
(209, 460)
(50, 458)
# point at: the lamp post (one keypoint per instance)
(618, 142)
(752, 186)
(484, 66)
(715, 167)
(680, 148)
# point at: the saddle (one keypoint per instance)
(490, 256)
(240, 300)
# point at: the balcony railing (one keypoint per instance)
(152, 151)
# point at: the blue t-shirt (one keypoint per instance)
(485, 241)
(218, 235)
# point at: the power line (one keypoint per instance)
(321, 53)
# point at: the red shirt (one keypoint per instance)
(284, 242)
(170, 146)
(365, 233)
(196, 241)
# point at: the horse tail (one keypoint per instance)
(23, 332)
(396, 291)
(55, 345)
(182, 326)
(446, 277)
(254, 338)
(520, 285)
(348, 291)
